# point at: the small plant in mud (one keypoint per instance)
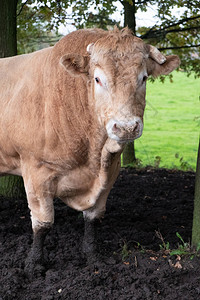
(125, 252)
(184, 248)
(140, 247)
(137, 164)
(157, 161)
(165, 245)
(184, 165)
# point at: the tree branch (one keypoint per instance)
(152, 33)
(179, 47)
(163, 33)
(142, 2)
(22, 6)
(181, 22)
(182, 29)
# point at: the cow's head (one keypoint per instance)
(116, 68)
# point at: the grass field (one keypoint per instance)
(171, 123)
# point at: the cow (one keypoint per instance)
(67, 112)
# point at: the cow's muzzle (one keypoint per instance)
(123, 131)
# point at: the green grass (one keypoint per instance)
(171, 123)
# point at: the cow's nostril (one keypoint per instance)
(136, 126)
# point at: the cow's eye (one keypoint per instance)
(97, 79)
(145, 78)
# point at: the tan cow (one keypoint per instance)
(66, 114)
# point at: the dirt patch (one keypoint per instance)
(140, 203)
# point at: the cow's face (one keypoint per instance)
(117, 69)
(119, 88)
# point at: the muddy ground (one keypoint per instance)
(142, 205)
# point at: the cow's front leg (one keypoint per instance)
(89, 246)
(34, 263)
(92, 219)
(42, 217)
(40, 190)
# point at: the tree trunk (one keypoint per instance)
(128, 154)
(196, 214)
(129, 15)
(8, 28)
(129, 20)
(10, 186)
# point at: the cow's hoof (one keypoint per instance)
(33, 269)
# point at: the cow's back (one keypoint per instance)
(22, 107)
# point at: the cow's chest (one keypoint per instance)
(79, 188)
(82, 186)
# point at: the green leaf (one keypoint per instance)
(178, 252)
(180, 237)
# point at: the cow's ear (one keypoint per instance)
(158, 64)
(75, 64)
(171, 63)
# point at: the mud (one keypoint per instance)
(143, 208)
